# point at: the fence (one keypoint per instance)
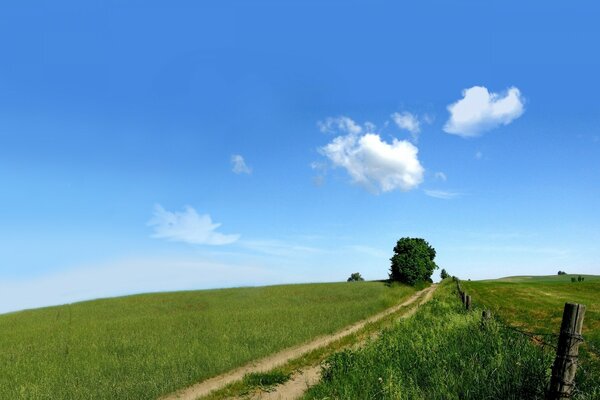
(564, 368)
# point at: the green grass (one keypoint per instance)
(145, 346)
(242, 390)
(536, 303)
(544, 278)
(266, 380)
(442, 352)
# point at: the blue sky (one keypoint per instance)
(149, 147)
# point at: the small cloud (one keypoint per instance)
(442, 194)
(376, 164)
(340, 124)
(407, 121)
(318, 180)
(238, 165)
(479, 155)
(187, 226)
(479, 111)
(441, 176)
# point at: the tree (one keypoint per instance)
(444, 274)
(412, 261)
(355, 277)
(562, 273)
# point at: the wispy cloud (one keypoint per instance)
(340, 124)
(239, 166)
(479, 111)
(187, 226)
(375, 164)
(407, 121)
(278, 247)
(442, 194)
(441, 176)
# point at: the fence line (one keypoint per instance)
(562, 382)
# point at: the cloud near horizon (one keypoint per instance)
(188, 226)
(480, 111)
(373, 163)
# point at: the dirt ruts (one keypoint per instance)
(298, 384)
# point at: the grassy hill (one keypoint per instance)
(447, 352)
(144, 346)
(544, 278)
(536, 302)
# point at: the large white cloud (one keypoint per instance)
(374, 163)
(479, 111)
(187, 226)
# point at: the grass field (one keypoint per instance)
(442, 352)
(144, 346)
(536, 303)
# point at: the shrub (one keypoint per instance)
(444, 274)
(355, 277)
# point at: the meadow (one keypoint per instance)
(536, 303)
(145, 346)
(445, 352)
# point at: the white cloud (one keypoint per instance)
(441, 176)
(479, 111)
(340, 124)
(407, 121)
(376, 164)
(442, 194)
(239, 166)
(188, 227)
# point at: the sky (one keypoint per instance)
(153, 146)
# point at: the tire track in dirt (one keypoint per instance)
(266, 364)
(310, 376)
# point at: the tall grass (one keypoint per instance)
(141, 347)
(442, 352)
(536, 304)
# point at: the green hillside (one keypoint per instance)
(144, 346)
(536, 302)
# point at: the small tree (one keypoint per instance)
(444, 274)
(562, 273)
(412, 261)
(355, 277)
(573, 279)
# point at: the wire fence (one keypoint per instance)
(589, 366)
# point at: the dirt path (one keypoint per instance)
(205, 387)
(310, 376)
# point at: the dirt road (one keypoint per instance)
(205, 387)
(310, 376)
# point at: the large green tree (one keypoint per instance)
(412, 261)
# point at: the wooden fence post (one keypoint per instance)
(486, 315)
(468, 302)
(562, 381)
